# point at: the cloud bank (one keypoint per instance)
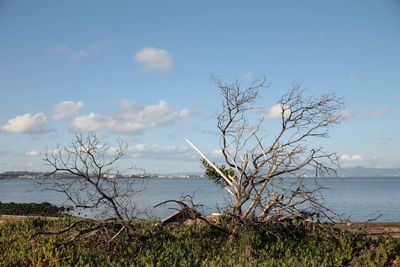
(131, 119)
(155, 151)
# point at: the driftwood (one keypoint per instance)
(187, 211)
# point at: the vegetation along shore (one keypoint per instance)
(186, 241)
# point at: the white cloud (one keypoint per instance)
(350, 113)
(354, 157)
(185, 112)
(372, 162)
(132, 118)
(155, 151)
(66, 110)
(275, 112)
(82, 53)
(216, 155)
(27, 124)
(90, 122)
(154, 59)
(32, 153)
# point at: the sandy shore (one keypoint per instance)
(374, 228)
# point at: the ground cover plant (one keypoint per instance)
(37, 209)
(176, 244)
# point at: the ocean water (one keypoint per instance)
(359, 199)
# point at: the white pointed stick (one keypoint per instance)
(212, 165)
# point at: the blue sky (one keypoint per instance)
(141, 71)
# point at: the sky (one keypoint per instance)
(140, 71)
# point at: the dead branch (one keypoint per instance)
(268, 180)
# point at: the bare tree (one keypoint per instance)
(92, 180)
(95, 179)
(265, 172)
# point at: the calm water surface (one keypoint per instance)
(360, 199)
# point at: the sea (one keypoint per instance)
(355, 198)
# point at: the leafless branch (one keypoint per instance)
(90, 179)
(269, 180)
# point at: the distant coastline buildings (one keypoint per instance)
(41, 175)
(342, 173)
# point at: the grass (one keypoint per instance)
(198, 245)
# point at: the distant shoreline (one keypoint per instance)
(155, 176)
(43, 175)
(356, 172)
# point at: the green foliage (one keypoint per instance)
(36, 209)
(199, 245)
(213, 175)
